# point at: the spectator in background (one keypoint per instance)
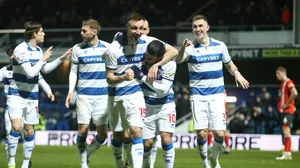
(258, 120)
(258, 102)
(249, 125)
(191, 126)
(251, 99)
(296, 124)
(266, 101)
(236, 125)
(244, 109)
(183, 105)
(42, 123)
(263, 92)
(270, 119)
(286, 14)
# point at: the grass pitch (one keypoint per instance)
(66, 157)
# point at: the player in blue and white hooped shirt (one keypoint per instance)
(160, 116)
(6, 75)
(125, 94)
(205, 57)
(22, 100)
(88, 66)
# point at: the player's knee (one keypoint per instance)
(28, 132)
(148, 143)
(166, 138)
(202, 134)
(219, 134)
(102, 131)
(118, 136)
(83, 129)
(135, 132)
(127, 134)
(17, 128)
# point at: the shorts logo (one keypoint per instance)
(285, 120)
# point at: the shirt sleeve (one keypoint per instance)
(20, 56)
(169, 71)
(73, 77)
(225, 54)
(49, 67)
(74, 57)
(111, 57)
(166, 82)
(44, 85)
(290, 85)
(2, 73)
(187, 51)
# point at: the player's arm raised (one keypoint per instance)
(29, 70)
(182, 55)
(170, 53)
(49, 67)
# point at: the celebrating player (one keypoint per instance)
(204, 57)
(126, 99)
(160, 116)
(22, 101)
(6, 77)
(91, 103)
(127, 139)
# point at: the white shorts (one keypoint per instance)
(159, 118)
(209, 114)
(7, 122)
(126, 114)
(94, 109)
(23, 109)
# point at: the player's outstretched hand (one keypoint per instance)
(239, 79)
(66, 55)
(51, 97)
(47, 54)
(186, 42)
(129, 75)
(68, 99)
(152, 73)
(138, 73)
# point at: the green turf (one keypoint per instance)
(66, 157)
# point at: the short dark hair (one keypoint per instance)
(156, 48)
(30, 28)
(11, 49)
(282, 69)
(135, 16)
(199, 17)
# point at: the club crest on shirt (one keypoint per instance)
(22, 56)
